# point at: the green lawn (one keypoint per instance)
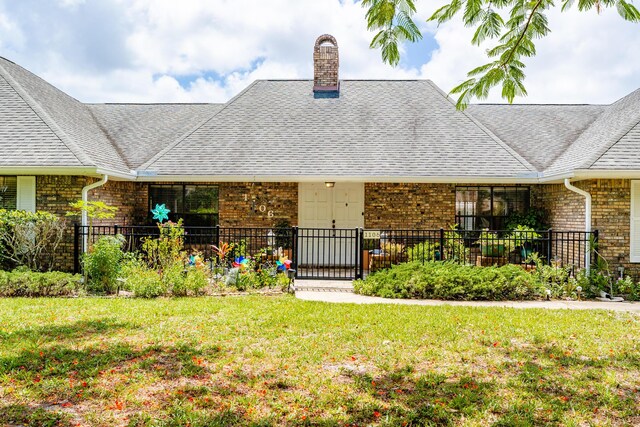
(261, 361)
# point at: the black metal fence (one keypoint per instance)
(353, 253)
(383, 248)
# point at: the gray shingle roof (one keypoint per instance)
(25, 138)
(68, 118)
(140, 131)
(597, 140)
(624, 154)
(392, 129)
(540, 133)
(375, 128)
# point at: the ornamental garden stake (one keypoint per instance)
(160, 213)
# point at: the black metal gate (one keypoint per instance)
(326, 253)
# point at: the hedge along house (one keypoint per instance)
(328, 154)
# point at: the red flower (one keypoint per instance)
(376, 414)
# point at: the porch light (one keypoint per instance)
(329, 184)
(271, 239)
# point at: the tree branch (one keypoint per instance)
(524, 31)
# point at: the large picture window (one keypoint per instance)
(479, 208)
(197, 205)
(8, 192)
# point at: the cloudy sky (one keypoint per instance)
(209, 50)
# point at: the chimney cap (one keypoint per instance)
(324, 39)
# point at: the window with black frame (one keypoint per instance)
(485, 207)
(196, 204)
(8, 192)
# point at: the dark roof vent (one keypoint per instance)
(325, 67)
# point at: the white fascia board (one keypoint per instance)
(48, 170)
(607, 174)
(131, 176)
(328, 178)
(584, 174)
(62, 170)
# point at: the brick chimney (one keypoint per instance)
(325, 67)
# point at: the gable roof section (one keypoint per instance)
(25, 138)
(539, 133)
(396, 129)
(70, 120)
(606, 142)
(140, 131)
(624, 154)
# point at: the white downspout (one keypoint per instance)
(85, 199)
(587, 220)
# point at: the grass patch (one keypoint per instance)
(261, 361)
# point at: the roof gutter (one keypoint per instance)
(587, 219)
(85, 199)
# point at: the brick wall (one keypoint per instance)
(426, 206)
(280, 198)
(55, 192)
(129, 197)
(611, 208)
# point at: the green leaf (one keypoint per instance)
(446, 12)
(628, 11)
(490, 27)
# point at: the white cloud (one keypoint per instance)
(587, 58)
(140, 50)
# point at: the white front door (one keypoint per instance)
(335, 212)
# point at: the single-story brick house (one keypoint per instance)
(327, 153)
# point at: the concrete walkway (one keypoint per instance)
(341, 292)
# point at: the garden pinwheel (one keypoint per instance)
(241, 262)
(160, 213)
(283, 264)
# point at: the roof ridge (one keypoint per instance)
(80, 155)
(486, 130)
(182, 137)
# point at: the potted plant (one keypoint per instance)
(283, 236)
(493, 246)
(522, 236)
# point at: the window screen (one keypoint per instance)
(8, 192)
(197, 205)
(478, 208)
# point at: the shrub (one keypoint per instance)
(165, 250)
(25, 283)
(102, 264)
(424, 251)
(141, 280)
(146, 283)
(196, 281)
(444, 280)
(29, 239)
(187, 281)
(628, 288)
(174, 278)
